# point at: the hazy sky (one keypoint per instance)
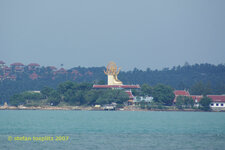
(133, 33)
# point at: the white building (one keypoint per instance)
(147, 99)
(218, 102)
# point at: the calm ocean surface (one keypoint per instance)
(116, 130)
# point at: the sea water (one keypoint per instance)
(112, 130)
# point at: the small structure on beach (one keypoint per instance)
(109, 107)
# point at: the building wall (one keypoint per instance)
(217, 104)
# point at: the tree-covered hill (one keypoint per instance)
(181, 77)
(198, 78)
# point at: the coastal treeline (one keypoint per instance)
(163, 94)
(199, 79)
(70, 93)
(82, 94)
(163, 98)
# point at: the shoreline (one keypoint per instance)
(81, 108)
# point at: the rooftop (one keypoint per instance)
(181, 92)
(34, 64)
(17, 64)
(117, 86)
(217, 98)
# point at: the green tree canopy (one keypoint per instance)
(112, 95)
(54, 98)
(146, 90)
(205, 102)
(184, 101)
(22, 98)
(47, 91)
(16, 100)
(163, 94)
(200, 88)
(65, 86)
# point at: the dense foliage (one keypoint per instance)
(204, 103)
(199, 79)
(184, 102)
(163, 94)
(24, 98)
(70, 93)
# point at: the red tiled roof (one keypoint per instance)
(2, 62)
(130, 94)
(62, 70)
(17, 64)
(117, 86)
(181, 92)
(34, 64)
(217, 98)
(196, 97)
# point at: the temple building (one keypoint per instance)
(114, 82)
(217, 104)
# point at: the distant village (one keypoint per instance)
(33, 70)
